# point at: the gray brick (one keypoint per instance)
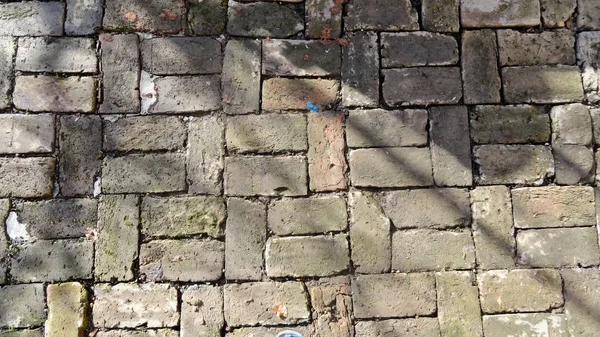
(292, 93)
(440, 16)
(60, 55)
(144, 173)
(525, 325)
(205, 155)
(307, 256)
(378, 127)
(7, 51)
(571, 125)
(327, 164)
(331, 301)
(144, 133)
(4, 257)
(181, 56)
(120, 73)
(184, 94)
(459, 312)
(84, 17)
(51, 261)
(240, 81)
(509, 124)
(139, 333)
(22, 306)
(574, 164)
(31, 18)
(417, 49)
(264, 175)
(201, 311)
(67, 309)
(263, 19)
(245, 238)
(587, 56)
(360, 84)
(595, 113)
(551, 47)
(414, 295)
(422, 86)
(381, 15)
(164, 16)
(80, 141)
(498, 13)
(300, 58)
(118, 235)
(582, 297)
(307, 215)
(481, 79)
(321, 15)
(542, 84)
(22, 333)
(70, 94)
(588, 15)
(513, 164)
(557, 13)
(266, 133)
(27, 177)
(26, 133)
(207, 17)
(420, 326)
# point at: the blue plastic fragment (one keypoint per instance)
(311, 107)
(288, 333)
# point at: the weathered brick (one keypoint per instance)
(185, 94)
(141, 173)
(293, 93)
(120, 73)
(26, 133)
(300, 58)
(378, 127)
(426, 250)
(557, 13)
(499, 13)
(117, 242)
(327, 164)
(164, 16)
(307, 256)
(595, 113)
(513, 164)
(67, 310)
(266, 133)
(571, 125)
(22, 333)
(459, 312)
(7, 51)
(80, 141)
(307, 215)
(450, 146)
(264, 175)
(414, 295)
(320, 15)
(417, 49)
(241, 76)
(588, 15)
(525, 325)
(542, 84)
(22, 306)
(183, 216)
(558, 247)
(370, 236)
(509, 124)
(425, 326)
(481, 79)
(245, 238)
(207, 17)
(582, 297)
(26, 177)
(574, 164)
(51, 261)
(70, 94)
(83, 17)
(60, 55)
(381, 15)
(331, 302)
(267, 332)
(31, 18)
(139, 333)
(129, 305)
(260, 298)
(205, 155)
(440, 16)
(422, 86)
(360, 84)
(4, 257)
(263, 19)
(202, 311)
(520, 290)
(525, 49)
(587, 56)
(58, 218)
(181, 56)
(144, 133)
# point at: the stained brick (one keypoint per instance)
(293, 93)
(26, 133)
(422, 86)
(205, 155)
(62, 55)
(31, 18)
(120, 73)
(27, 177)
(327, 164)
(417, 49)
(181, 56)
(263, 175)
(378, 127)
(360, 84)
(70, 94)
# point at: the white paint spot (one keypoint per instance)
(16, 231)
(97, 187)
(147, 91)
(111, 118)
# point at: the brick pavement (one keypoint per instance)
(161, 173)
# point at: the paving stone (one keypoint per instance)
(201, 311)
(550, 47)
(120, 73)
(539, 324)
(245, 238)
(509, 124)
(7, 51)
(181, 56)
(323, 16)
(22, 305)
(31, 18)
(4, 257)
(300, 58)
(307, 256)
(370, 236)
(440, 16)
(207, 17)
(263, 19)
(459, 313)
(129, 305)
(520, 290)
(558, 247)
(83, 17)
(118, 237)
(381, 15)
(414, 295)
(571, 125)
(80, 142)
(22, 333)
(557, 13)
(139, 333)
(391, 167)
(265, 175)
(588, 15)
(493, 230)
(422, 86)
(331, 302)
(69, 94)
(327, 164)
(205, 155)
(185, 94)
(266, 332)
(480, 75)
(582, 297)
(240, 81)
(307, 215)
(360, 85)
(59, 55)
(51, 261)
(293, 93)
(513, 164)
(266, 133)
(422, 327)
(260, 298)
(164, 16)
(378, 127)
(183, 216)
(67, 309)
(426, 250)
(144, 133)
(417, 49)
(26, 177)
(26, 133)
(144, 173)
(450, 144)
(574, 164)
(188, 260)
(499, 13)
(542, 84)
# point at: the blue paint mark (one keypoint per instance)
(311, 107)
